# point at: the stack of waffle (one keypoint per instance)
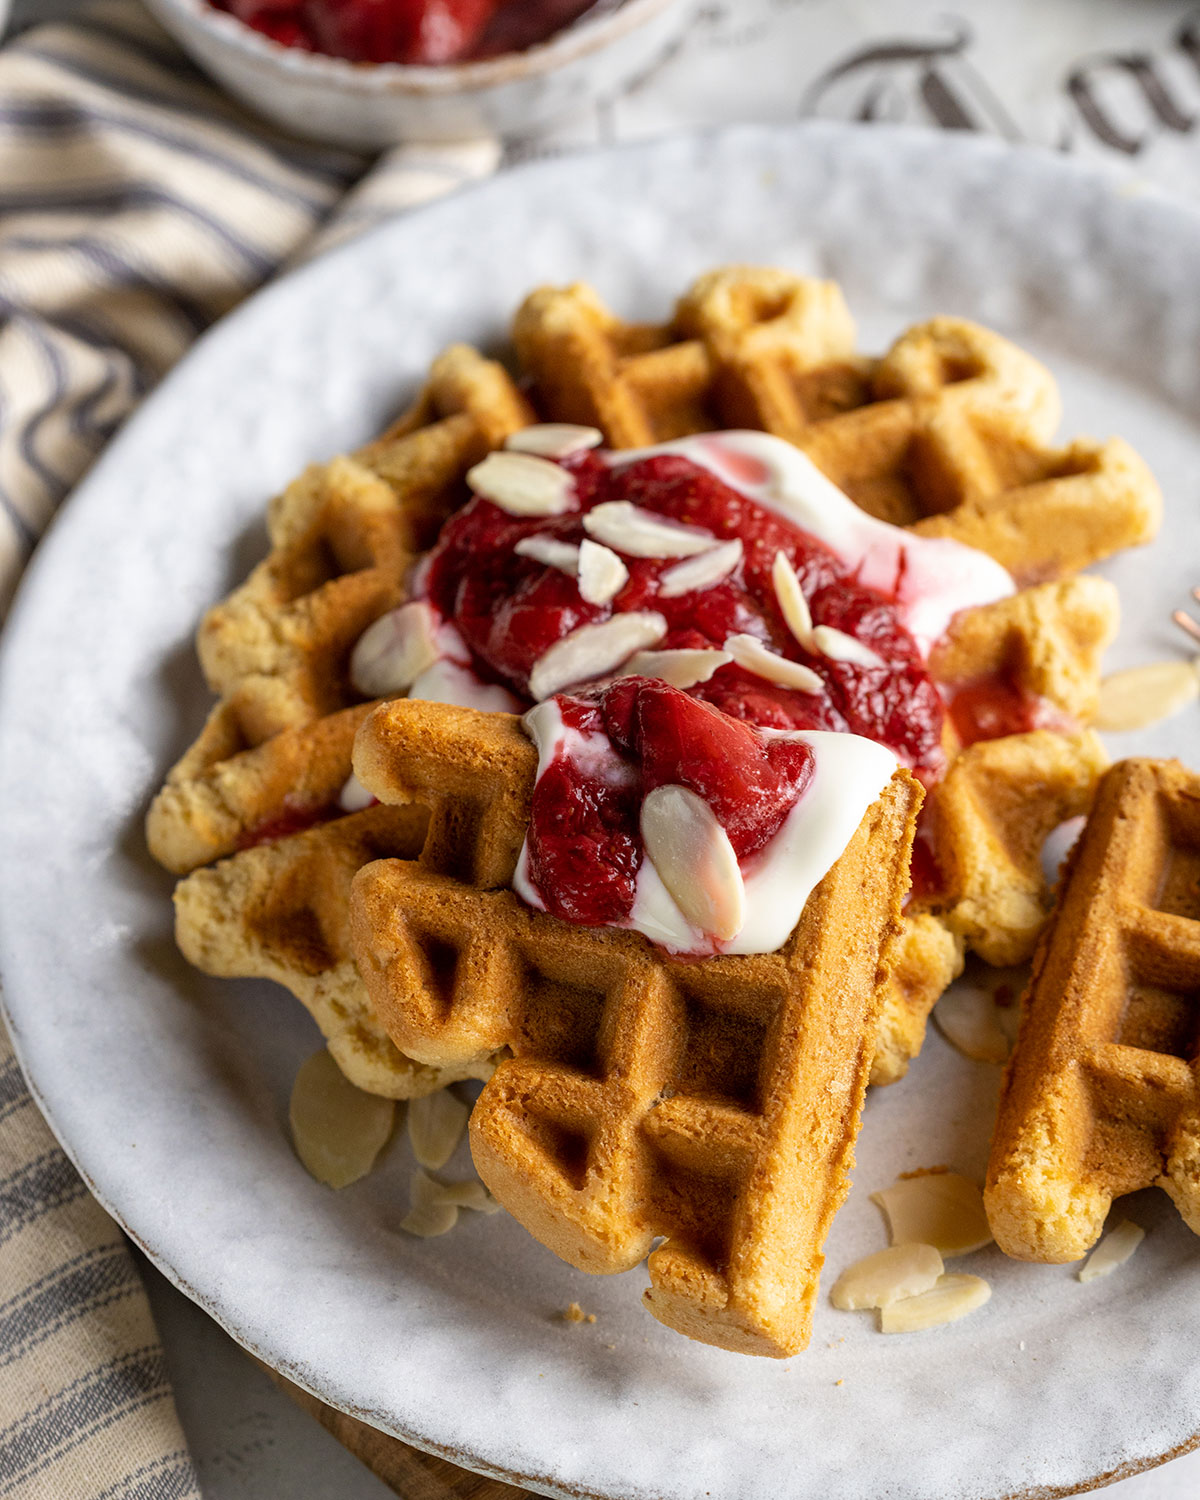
(645, 1097)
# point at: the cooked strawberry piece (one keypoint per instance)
(750, 783)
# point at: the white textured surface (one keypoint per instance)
(170, 1091)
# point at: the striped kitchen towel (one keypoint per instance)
(85, 1403)
(137, 204)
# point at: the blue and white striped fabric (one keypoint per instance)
(85, 1401)
(137, 204)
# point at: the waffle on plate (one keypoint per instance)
(292, 870)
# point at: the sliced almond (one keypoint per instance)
(752, 656)
(954, 1296)
(594, 651)
(839, 646)
(681, 668)
(338, 1130)
(602, 574)
(942, 1209)
(353, 796)
(702, 571)
(792, 603)
(694, 859)
(429, 1214)
(883, 1278)
(469, 1194)
(554, 439)
(1113, 1250)
(642, 533)
(969, 1020)
(522, 484)
(549, 550)
(1144, 695)
(435, 1126)
(393, 652)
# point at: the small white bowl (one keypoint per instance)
(378, 104)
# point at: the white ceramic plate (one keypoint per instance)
(169, 1090)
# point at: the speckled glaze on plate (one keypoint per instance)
(169, 1090)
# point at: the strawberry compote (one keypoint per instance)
(729, 739)
(407, 31)
(510, 609)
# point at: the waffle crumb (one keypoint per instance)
(575, 1314)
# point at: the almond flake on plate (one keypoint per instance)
(942, 1209)
(1144, 695)
(969, 1019)
(883, 1278)
(522, 484)
(594, 651)
(549, 550)
(429, 1213)
(469, 1194)
(953, 1297)
(337, 1129)
(602, 574)
(392, 653)
(643, 533)
(681, 667)
(435, 1126)
(838, 646)
(1113, 1250)
(694, 859)
(702, 571)
(553, 439)
(752, 656)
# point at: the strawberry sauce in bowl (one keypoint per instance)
(423, 32)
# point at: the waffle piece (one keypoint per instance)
(220, 797)
(1045, 642)
(343, 539)
(926, 959)
(984, 825)
(947, 433)
(1100, 1097)
(713, 1103)
(279, 911)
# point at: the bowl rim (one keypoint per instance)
(568, 45)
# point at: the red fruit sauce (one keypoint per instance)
(584, 848)
(294, 819)
(407, 31)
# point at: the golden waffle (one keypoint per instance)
(748, 347)
(986, 822)
(280, 911)
(948, 432)
(1100, 1097)
(715, 1104)
(343, 539)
